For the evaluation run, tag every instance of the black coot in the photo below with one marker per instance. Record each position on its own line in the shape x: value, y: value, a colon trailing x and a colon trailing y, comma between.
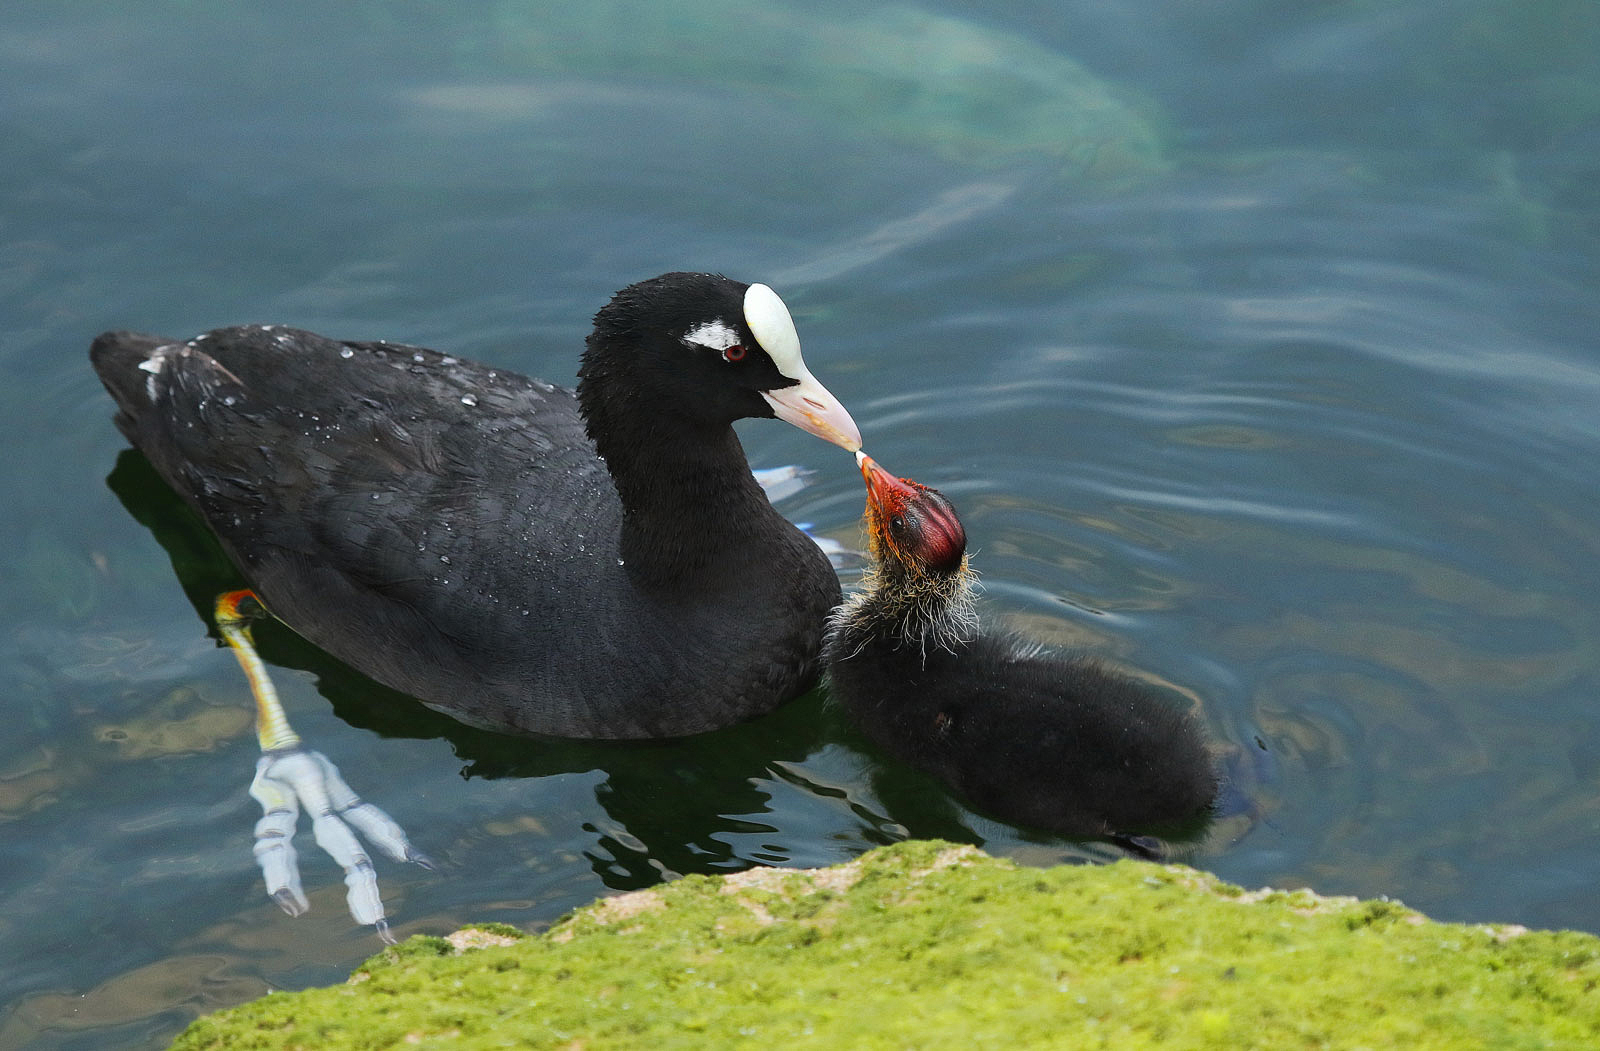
x: 520, y: 556
x: 1053, y: 742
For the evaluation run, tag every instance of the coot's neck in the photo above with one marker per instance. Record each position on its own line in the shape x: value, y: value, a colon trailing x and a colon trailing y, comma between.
x: 691, y: 507
x: 907, y: 609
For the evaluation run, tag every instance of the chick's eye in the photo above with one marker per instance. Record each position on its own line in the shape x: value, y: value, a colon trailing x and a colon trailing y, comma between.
x: 734, y: 353
x: 897, y: 524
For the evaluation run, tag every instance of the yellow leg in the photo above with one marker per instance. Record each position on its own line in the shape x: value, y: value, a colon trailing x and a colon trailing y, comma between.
x: 235, y: 610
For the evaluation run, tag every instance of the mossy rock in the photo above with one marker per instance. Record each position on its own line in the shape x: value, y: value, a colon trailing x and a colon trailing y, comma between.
x: 929, y: 945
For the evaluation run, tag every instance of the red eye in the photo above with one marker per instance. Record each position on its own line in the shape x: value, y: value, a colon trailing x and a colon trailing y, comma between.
x: 734, y: 353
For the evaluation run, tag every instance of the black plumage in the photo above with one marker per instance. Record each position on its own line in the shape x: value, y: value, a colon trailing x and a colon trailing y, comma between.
x: 526, y: 558
x: 1035, y: 738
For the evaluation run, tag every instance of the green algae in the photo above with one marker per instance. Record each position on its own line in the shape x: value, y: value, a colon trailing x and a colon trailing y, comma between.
x: 927, y: 945
x: 973, y: 92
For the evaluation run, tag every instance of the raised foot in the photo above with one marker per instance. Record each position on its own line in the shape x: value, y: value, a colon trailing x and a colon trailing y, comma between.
x: 287, y: 780
x: 290, y: 776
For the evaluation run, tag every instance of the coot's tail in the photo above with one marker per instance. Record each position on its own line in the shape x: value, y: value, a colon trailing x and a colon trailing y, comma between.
x: 119, y: 359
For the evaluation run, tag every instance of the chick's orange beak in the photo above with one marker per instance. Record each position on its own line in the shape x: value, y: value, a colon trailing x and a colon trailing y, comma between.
x: 884, y: 490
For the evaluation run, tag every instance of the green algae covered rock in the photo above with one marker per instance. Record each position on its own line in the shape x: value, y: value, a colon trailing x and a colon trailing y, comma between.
x: 928, y: 945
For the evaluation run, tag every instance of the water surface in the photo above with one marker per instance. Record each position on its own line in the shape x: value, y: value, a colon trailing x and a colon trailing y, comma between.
x: 1256, y: 345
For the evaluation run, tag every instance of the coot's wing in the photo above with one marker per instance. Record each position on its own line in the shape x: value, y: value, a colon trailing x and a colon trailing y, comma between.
x: 383, y: 499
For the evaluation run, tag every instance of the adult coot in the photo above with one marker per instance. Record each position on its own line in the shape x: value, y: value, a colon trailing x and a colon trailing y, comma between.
x: 1059, y: 743
x: 517, y: 555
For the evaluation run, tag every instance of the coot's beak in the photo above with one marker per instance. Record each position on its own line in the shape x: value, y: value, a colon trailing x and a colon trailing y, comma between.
x: 810, y: 407
x: 807, y: 404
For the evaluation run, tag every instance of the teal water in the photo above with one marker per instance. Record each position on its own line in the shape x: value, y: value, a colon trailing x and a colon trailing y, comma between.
x: 1257, y: 344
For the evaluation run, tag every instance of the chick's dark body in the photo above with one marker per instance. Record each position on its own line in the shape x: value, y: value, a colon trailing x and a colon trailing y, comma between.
x: 1054, y: 742
x: 1058, y: 743
x: 451, y: 531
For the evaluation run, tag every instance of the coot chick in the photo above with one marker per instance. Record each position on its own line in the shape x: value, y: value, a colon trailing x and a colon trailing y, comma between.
x: 523, y: 557
x: 1058, y: 743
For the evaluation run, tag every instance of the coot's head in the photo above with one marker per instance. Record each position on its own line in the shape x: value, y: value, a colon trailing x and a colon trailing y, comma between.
x: 700, y: 351
x: 911, y: 526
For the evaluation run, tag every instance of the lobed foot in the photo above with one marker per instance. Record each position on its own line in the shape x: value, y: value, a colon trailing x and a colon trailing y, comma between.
x: 287, y: 780
x: 290, y: 776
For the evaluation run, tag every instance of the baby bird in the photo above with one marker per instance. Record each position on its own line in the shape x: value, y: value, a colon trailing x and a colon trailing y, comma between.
x: 1058, y: 743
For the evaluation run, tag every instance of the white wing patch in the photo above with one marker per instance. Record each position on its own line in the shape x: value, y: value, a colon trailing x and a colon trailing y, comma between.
x: 773, y: 328
x: 153, y: 365
x: 714, y: 334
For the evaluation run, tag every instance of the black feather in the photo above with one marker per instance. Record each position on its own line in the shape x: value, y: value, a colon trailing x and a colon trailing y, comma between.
x: 450, y: 530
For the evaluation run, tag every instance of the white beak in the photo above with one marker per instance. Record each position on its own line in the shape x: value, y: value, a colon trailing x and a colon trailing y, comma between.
x: 809, y: 406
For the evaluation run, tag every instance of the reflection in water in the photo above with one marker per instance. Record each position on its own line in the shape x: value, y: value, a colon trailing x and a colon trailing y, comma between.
x: 648, y: 781
x: 673, y: 806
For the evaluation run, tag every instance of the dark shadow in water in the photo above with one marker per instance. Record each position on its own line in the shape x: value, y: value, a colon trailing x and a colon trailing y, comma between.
x: 669, y: 797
